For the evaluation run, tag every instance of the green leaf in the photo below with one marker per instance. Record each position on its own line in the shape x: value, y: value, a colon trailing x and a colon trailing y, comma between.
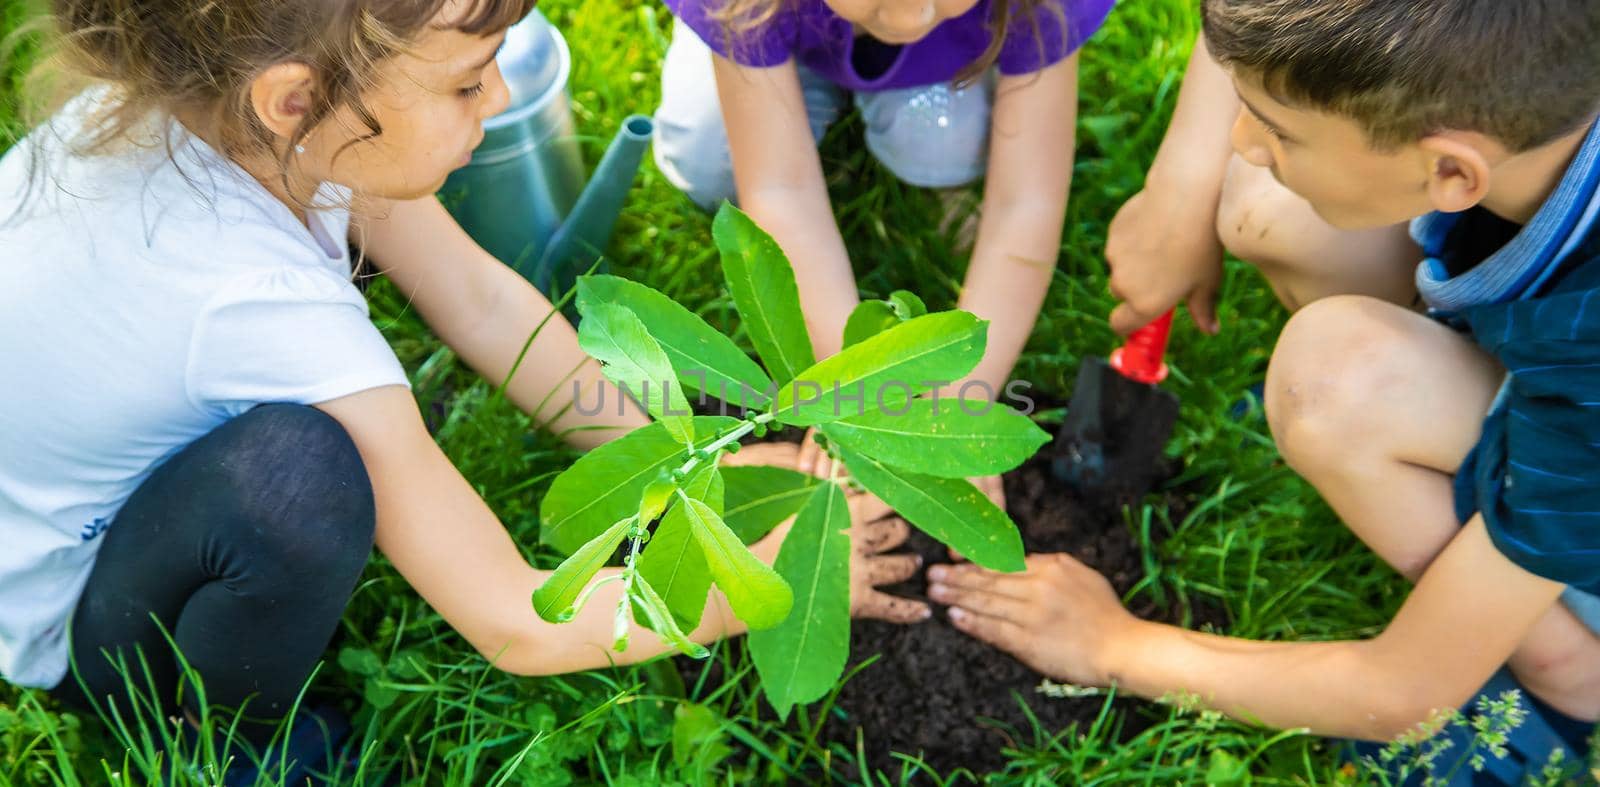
x: 673, y: 562
x: 943, y: 438
x: 885, y: 370
x: 653, y: 500
x: 706, y: 361
x: 605, y: 484
x: 907, y: 305
x: 1225, y: 769
x: 698, y: 739
x: 949, y: 509
x: 360, y: 661
x: 661, y: 620
x: 761, y: 497
x: 802, y: 659
x: 555, y: 597
x: 755, y: 592
x: 635, y: 362
x: 379, y: 694
x: 869, y: 319
x: 764, y: 292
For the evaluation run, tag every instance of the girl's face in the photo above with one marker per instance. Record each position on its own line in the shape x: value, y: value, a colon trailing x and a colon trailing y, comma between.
x: 899, y: 21
x: 430, y: 103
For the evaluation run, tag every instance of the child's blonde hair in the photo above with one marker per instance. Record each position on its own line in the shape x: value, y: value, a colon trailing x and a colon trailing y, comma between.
x: 202, y: 55
x: 742, y: 16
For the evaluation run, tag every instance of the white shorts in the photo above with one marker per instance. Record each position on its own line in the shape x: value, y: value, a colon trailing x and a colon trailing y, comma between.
x: 935, y: 136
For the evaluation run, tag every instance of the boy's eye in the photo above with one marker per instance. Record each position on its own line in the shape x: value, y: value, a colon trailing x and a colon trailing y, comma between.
x: 1271, y: 130
x: 472, y: 92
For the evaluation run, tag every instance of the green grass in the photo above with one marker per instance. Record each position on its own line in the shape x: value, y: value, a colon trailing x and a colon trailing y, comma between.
x: 1256, y: 540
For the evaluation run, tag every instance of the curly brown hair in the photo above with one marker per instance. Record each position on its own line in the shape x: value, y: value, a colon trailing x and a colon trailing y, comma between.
x: 742, y: 16
x: 200, y: 56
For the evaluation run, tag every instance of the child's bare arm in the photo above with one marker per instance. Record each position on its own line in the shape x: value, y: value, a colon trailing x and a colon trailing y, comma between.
x: 1464, y: 618
x: 485, y: 312
x: 778, y: 175
x: 449, y: 546
x: 1024, y: 204
x: 1163, y: 246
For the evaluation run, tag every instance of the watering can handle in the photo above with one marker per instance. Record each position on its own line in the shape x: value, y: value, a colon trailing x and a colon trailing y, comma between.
x: 1141, y: 357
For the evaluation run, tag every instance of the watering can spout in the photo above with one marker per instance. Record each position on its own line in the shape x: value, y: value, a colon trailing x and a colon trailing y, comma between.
x: 583, y: 235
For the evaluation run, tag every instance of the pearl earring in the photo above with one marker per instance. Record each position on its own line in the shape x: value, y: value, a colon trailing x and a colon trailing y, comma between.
x: 299, y: 148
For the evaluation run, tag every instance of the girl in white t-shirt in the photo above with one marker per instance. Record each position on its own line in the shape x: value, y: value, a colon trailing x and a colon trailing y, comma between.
x: 173, y: 255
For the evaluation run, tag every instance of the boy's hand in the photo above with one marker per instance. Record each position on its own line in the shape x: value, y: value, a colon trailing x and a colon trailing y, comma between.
x: 1163, y: 249
x: 1059, y: 616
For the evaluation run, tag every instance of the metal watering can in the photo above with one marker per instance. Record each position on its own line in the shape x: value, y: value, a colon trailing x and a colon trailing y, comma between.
x: 523, y: 197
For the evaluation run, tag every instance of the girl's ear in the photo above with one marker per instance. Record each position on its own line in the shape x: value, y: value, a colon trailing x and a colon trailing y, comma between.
x: 281, y: 96
x: 1459, y: 171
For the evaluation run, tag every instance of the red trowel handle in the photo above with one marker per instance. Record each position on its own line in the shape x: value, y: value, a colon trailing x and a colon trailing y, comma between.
x: 1140, y: 358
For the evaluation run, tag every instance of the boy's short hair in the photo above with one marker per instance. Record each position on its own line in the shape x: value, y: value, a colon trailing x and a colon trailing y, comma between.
x: 1525, y: 72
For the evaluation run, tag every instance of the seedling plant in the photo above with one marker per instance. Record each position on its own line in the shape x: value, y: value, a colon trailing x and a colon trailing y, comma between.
x: 683, y: 523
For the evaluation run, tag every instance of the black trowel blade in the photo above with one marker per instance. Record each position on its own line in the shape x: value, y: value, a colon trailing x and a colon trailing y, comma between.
x: 1115, y: 433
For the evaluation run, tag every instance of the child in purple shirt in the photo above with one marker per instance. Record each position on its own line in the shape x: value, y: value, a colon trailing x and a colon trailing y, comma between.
x: 749, y: 86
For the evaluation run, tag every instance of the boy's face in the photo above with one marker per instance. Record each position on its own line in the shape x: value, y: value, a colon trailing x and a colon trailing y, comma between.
x: 1327, y: 160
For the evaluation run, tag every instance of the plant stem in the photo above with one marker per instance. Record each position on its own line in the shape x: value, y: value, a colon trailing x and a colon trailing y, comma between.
x: 720, y: 443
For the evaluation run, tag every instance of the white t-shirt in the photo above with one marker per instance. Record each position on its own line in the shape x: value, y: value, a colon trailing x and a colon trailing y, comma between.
x: 143, y: 302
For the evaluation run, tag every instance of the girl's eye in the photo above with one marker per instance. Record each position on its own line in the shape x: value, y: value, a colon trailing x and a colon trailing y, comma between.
x: 472, y: 92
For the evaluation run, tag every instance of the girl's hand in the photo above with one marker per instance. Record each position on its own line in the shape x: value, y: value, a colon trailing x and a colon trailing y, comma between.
x: 1059, y: 616
x: 784, y: 455
x: 1163, y: 248
x: 812, y: 459
x: 874, y: 530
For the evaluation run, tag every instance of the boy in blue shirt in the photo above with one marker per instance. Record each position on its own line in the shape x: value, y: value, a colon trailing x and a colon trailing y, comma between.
x: 1477, y: 120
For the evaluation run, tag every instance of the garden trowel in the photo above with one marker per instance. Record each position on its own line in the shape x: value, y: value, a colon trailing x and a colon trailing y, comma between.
x: 1117, y: 425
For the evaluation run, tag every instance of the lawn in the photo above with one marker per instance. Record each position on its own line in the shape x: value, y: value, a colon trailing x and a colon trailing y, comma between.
x: 1255, y: 540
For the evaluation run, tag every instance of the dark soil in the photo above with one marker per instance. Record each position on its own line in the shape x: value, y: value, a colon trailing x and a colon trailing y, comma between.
x: 955, y: 702
x: 941, y: 695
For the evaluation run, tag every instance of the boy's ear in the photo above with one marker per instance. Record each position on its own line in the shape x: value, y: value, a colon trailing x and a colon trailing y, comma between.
x: 1458, y: 172
x: 281, y: 97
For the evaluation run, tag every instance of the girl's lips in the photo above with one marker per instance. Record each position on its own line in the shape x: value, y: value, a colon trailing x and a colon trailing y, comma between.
x: 466, y: 158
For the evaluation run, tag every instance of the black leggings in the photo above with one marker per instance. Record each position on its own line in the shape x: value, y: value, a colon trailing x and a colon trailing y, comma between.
x: 245, y: 546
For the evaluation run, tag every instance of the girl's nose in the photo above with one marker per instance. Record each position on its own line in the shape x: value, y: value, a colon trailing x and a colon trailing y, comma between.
x: 1249, y: 141
x: 499, y: 94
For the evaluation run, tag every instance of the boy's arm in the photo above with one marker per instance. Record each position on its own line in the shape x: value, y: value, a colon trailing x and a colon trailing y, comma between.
x: 485, y: 311
x: 778, y: 174
x: 1461, y: 622
x: 1024, y: 204
x: 1163, y: 245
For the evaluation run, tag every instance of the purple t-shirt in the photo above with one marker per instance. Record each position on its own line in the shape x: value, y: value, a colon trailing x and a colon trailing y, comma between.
x: 811, y: 34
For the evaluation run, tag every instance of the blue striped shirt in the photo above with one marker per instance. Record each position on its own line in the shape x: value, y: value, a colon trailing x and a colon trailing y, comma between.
x: 1533, y: 302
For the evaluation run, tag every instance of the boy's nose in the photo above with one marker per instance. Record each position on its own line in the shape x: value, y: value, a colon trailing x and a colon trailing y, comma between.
x: 1249, y: 142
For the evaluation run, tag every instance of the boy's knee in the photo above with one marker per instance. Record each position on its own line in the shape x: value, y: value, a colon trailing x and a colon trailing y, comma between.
x: 298, y: 478
x: 1331, y: 363
x: 1250, y: 216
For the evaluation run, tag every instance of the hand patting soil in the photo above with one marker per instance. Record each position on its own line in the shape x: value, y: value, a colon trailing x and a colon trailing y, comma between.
x: 951, y: 700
